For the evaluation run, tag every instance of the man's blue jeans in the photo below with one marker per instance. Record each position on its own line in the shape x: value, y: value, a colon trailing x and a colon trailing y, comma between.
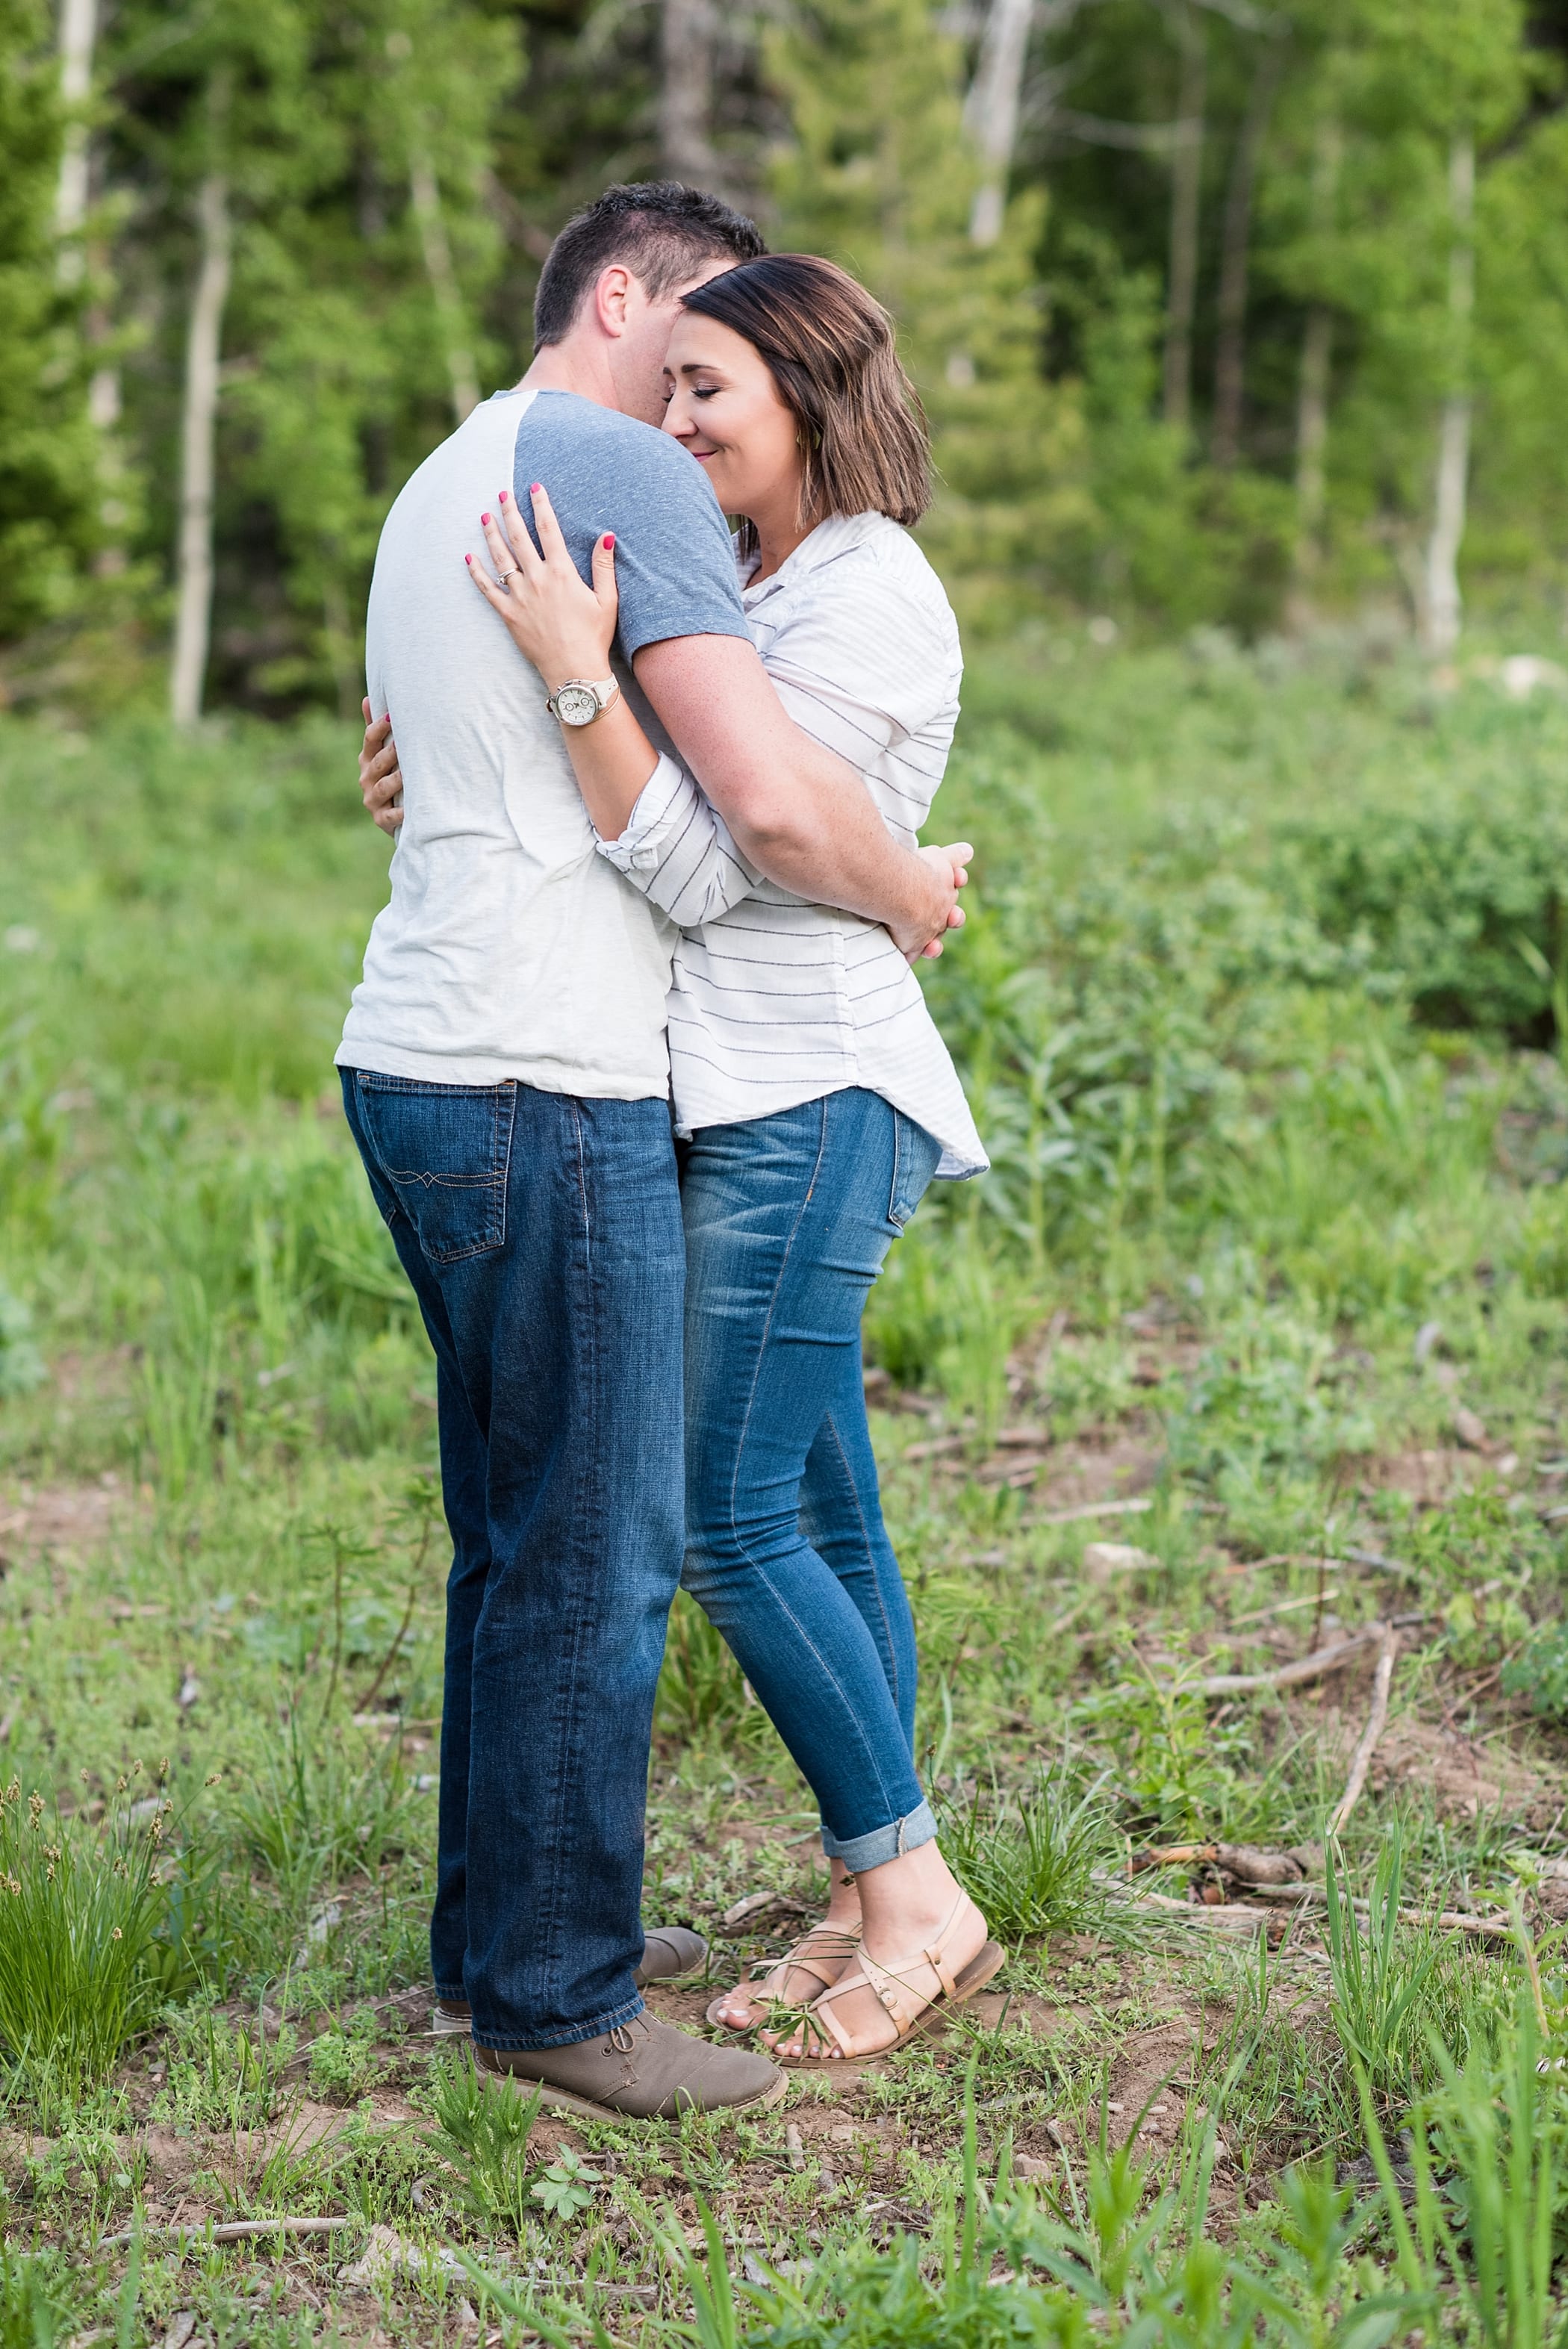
x: 787, y: 1221
x: 543, y: 1236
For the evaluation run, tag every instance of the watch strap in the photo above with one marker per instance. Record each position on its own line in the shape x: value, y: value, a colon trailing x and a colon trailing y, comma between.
x: 605, y: 689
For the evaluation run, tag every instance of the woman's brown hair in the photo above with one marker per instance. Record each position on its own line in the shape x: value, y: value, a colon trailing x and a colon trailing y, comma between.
x: 829, y: 349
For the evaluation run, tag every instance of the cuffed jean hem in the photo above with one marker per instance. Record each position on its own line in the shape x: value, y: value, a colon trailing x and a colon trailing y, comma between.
x: 564, y: 2038
x: 456, y: 1996
x: 883, y: 1843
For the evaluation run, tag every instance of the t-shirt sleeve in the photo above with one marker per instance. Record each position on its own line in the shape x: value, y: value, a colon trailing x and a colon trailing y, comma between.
x: 675, y: 560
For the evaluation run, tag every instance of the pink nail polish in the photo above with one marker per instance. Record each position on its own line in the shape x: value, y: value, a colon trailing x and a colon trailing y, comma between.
x: 609, y: 538
x: 468, y: 558
x: 536, y: 487
x: 503, y: 497
x: 484, y: 517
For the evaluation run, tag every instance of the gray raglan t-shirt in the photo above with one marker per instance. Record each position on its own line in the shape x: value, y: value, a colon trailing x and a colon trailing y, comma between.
x: 511, y: 948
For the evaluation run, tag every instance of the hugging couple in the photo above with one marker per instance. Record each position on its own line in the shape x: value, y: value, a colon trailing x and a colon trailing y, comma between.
x: 655, y: 792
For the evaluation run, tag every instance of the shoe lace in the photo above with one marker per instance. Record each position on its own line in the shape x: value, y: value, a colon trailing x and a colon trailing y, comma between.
x: 621, y: 2040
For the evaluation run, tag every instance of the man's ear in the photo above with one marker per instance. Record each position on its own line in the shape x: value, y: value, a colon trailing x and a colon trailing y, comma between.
x: 613, y: 295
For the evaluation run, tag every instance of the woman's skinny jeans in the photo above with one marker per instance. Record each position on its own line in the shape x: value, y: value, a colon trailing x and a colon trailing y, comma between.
x: 787, y: 1220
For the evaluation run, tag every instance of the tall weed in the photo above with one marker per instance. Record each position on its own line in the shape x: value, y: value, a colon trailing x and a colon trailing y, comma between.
x: 316, y: 1809
x: 1030, y: 1859
x: 92, y: 1935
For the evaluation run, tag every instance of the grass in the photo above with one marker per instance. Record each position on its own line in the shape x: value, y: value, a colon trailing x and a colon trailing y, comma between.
x: 1257, y: 1007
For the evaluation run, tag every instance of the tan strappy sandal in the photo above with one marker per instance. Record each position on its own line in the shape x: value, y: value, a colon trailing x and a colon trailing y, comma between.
x: 911, y: 2008
x: 819, y: 1943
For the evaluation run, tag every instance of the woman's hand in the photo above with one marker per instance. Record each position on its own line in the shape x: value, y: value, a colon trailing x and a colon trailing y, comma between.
x: 556, y: 621
x: 380, y: 778
x: 950, y: 867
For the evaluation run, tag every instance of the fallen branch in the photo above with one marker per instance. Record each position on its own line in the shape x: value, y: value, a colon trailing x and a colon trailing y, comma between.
x: 1220, y: 1916
x: 1497, y: 1927
x: 1244, y: 1861
x: 1314, y: 1667
x: 1094, y: 1509
x: 1382, y: 1681
x: 230, y: 2230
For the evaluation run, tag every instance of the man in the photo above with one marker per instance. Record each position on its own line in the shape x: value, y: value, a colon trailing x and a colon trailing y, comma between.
x: 505, y: 1075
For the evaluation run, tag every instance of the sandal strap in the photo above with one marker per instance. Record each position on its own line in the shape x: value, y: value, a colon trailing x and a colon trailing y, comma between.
x: 890, y: 1982
x: 842, y: 1943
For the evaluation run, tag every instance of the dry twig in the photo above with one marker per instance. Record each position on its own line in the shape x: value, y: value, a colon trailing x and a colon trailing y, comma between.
x: 1314, y: 1667
x: 1382, y: 1681
x: 230, y: 2230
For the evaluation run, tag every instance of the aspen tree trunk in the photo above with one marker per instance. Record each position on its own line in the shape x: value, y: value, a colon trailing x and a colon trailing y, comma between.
x: 1230, y: 355
x: 79, y: 31
x: 1440, y: 572
x: 1186, y: 183
x: 687, y: 29
x: 79, y: 36
x: 992, y: 111
x: 203, y: 343
x: 426, y: 195
x: 1312, y: 397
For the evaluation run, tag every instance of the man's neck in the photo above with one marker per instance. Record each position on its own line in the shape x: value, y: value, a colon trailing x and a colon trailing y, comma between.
x: 576, y: 365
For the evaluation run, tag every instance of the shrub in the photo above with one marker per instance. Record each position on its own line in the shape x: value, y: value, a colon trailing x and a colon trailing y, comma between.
x: 1465, y: 899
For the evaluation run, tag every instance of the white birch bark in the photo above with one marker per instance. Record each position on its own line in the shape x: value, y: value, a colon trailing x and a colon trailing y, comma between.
x: 203, y: 345
x: 1313, y: 381
x: 991, y: 111
x: 687, y: 31
x: 1186, y: 186
x: 1441, y: 600
x: 1230, y: 352
x: 426, y: 195
x: 79, y: 32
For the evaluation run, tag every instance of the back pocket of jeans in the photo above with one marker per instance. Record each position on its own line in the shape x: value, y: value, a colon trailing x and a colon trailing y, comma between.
x: 445, y: 1152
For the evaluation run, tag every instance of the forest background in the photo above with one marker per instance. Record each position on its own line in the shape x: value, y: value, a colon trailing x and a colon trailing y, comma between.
x: 1224, y: 312
x: 1243, y: 332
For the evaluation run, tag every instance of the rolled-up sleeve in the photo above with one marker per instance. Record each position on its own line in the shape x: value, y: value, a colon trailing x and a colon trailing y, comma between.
x: 678, y: 851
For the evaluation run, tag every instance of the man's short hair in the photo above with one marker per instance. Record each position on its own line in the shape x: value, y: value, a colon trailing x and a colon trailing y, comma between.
x: 661, y: 232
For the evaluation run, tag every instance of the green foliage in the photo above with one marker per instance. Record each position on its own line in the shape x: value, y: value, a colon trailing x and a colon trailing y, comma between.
x: 47, y: 471
x: 1462, y: 898
x: 1540, y: 1674
x: 1029, y: 1857
x: 93, y: 1934
x: 316, y: 1808
x: 343, y: 2063
x: 702, y: 1694
x: 481, y: 2135
x: 39, y: 2301
x: 1396, y: 1992
x: 21, y: 1364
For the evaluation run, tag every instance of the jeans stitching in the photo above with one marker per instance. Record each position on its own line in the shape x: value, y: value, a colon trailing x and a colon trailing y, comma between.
x: 557, y: 1841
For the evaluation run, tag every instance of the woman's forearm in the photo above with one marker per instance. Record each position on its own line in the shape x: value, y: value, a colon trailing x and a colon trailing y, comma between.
x: 612, y: 759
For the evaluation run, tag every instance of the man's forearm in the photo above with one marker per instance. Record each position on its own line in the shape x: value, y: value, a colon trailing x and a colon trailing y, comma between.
x: 798, y: 812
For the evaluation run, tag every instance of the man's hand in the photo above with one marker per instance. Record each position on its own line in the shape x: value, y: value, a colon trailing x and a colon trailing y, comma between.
x: 949, y: 869
x: 380, y: 778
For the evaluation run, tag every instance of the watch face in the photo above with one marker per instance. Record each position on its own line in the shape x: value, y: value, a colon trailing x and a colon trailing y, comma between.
x: 578, y: 705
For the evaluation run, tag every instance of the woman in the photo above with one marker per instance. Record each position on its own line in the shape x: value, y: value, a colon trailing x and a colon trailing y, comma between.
x: 810, y: 1082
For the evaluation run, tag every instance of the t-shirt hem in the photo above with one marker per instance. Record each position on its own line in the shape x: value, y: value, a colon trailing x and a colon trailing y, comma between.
x: 694, y: 623
x: 545, y: 1076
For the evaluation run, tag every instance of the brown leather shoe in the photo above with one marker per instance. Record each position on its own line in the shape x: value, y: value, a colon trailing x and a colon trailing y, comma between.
x: 668, y: 1952
x: 641, y: 2071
